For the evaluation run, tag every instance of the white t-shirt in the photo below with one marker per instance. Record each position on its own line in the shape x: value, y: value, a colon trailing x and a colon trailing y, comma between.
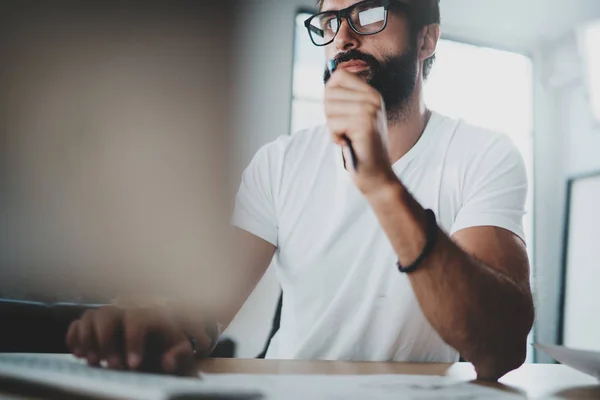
x: 343, y: 298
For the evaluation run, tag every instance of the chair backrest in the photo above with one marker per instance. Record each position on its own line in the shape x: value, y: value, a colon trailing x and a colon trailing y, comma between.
x: 274, y: 326
x: 31, y: 327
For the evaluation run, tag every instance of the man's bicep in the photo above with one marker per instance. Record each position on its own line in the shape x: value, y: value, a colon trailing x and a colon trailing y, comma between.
x: 495, y: 191
x: 250, y: 257
x: 255, y: 252
x: 497, y: 248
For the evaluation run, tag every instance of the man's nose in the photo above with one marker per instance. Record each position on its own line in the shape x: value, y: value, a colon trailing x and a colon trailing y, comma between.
x: 346, y: 39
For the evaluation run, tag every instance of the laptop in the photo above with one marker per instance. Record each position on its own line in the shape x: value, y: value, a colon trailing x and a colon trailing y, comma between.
x: 66, y: 376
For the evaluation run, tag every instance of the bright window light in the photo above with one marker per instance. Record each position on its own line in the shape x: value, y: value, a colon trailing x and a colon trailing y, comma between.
x: 590, y: 46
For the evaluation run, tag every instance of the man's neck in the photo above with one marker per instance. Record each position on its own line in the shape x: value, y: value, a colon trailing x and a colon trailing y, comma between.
x: 405, y: 133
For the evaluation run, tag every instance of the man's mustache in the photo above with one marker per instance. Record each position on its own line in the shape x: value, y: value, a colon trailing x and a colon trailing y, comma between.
x: 355, y: 55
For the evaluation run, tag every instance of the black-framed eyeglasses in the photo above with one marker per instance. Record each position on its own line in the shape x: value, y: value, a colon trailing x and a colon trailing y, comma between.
x: 367, y: 17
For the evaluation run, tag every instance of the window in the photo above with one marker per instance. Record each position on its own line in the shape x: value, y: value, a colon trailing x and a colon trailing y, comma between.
x: 309, y: 66
x: 496, y: 92
x: 590, y: 37
x: 494, y: 87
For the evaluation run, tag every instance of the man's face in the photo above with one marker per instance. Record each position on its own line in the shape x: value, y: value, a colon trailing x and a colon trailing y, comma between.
x: 387, y: 60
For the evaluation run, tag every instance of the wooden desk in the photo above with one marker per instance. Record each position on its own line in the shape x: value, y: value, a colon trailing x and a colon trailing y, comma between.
x: 534, y: 381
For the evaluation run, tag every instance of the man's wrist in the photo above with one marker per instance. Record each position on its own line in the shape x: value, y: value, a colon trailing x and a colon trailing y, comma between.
x: 386, y: 196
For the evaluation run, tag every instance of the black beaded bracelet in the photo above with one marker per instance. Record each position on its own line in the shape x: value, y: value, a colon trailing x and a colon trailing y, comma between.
x: 431, y: 237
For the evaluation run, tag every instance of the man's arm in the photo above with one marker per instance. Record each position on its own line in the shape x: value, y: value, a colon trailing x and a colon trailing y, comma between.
x: 473, y: 289
x: 119, y: 334
x: 254, y: 256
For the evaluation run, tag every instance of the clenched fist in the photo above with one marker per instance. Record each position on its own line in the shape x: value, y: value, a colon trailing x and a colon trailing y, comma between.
x: 354, y: 109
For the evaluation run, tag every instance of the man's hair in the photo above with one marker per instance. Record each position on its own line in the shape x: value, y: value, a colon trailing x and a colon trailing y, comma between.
x: 425, y: 12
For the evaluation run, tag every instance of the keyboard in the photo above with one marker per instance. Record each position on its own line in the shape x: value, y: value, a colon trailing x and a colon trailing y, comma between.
x: 71, y: 375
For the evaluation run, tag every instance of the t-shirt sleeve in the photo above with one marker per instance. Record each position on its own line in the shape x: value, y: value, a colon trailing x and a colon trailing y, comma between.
x: 255, y: 206
x: 495, y: 189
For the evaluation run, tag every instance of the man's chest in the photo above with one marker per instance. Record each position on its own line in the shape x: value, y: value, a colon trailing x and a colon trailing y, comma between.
x: 327, y: 225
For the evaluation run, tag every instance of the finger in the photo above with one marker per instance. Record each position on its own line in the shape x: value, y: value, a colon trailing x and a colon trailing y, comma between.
x: 108, y: 329
x: 345, y: 79
x: 355, y: 127
x: 136, y: 329
x: 350, y: 109
x: 341, y: 93
x: 338, y: 131
x: 179, y: 359
x: 87, y: 338
x: 72, y: 339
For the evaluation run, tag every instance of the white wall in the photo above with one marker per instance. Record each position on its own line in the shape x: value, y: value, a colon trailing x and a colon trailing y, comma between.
x: 583, y: 136
x: 513, y: 24
x: 263, y: 93
x: 548, y: 202
x: 567, y: 141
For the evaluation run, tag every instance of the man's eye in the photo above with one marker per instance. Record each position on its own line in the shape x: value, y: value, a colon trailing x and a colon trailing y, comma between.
x: 332, y: 24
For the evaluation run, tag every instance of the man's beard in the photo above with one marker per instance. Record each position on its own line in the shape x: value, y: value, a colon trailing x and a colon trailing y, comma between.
x: 394, y: 77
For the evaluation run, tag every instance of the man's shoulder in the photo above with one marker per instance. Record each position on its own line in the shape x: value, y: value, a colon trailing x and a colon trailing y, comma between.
x: 470, y: 142
x: 302, y: 142
x: 287, y: 152
x: 312, y: 136
x: 478, y: 137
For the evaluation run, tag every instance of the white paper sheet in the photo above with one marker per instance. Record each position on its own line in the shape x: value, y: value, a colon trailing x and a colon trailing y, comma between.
x: 349, y: 387
x: 587, y: 362
x: 66, y: 373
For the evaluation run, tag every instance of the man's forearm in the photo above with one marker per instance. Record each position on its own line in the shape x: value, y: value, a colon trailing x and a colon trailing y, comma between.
x: 482, y: 313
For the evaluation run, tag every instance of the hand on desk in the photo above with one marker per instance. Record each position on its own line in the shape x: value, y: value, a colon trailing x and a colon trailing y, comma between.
x: 139, y: 338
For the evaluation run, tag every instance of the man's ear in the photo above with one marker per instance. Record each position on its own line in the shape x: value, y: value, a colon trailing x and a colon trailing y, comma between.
x: 429, y: 35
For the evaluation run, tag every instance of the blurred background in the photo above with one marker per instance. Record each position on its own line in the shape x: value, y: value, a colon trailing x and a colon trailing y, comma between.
x: 125, y: 126
x: 114, y: 145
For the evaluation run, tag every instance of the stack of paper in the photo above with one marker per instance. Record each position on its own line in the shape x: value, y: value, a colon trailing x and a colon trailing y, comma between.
x: 350, y: 387
x: 587, y: 362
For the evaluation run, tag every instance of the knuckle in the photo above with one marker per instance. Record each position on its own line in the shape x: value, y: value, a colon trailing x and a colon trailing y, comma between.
x: 110, y: 310
x: 105, y: 335
x: 136, y: 325
x: 364, y: 126
x: 369, y: 109
x: 356, y: 108
x: 131, y: 326
x: 72, y: 327
x: 86, y: 335
x: 378, y: 101
x: 110, y: 315
x: 88, y: 315
x: 365, y: 114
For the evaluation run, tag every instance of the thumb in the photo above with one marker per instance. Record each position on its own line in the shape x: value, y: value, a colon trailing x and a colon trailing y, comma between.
x: 179, y: 359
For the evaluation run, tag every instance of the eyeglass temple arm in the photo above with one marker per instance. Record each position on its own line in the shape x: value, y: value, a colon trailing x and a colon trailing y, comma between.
x: 316, y: 30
